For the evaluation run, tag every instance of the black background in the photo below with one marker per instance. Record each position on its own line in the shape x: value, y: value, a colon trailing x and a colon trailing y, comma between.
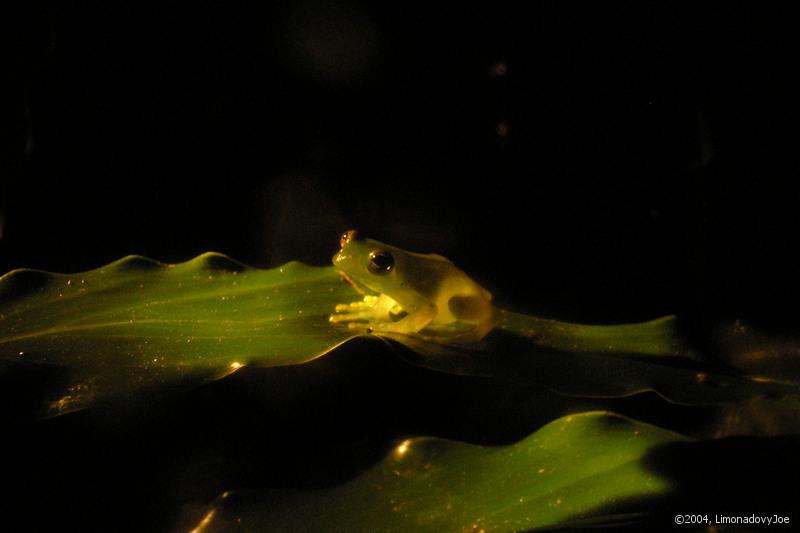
x: 648, y: 167
x: 597, y: 162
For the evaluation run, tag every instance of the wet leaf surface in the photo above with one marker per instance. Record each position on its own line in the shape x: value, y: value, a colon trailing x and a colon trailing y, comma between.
x: 563, y: 472
x: 137, y: 325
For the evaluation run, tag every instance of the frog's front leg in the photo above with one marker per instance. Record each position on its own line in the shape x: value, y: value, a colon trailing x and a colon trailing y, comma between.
x: 368, y: 302
x: 372, y: 309
x: 378, y: 314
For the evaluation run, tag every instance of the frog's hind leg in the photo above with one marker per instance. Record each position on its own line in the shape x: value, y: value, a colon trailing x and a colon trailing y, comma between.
x: 469, y: 307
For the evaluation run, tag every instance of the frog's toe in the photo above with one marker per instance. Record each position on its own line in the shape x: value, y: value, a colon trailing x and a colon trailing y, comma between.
x: 350, y: 316
x: 367, y: 303
x: 359, y: 326
x: 334, y: 319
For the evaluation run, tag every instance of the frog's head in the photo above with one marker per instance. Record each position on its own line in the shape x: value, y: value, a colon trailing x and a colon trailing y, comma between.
x: 369, y: 265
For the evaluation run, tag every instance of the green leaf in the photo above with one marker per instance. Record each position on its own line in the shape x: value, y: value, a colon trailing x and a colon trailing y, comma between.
x: 138, y: 324
x: 580, y: 467
x: 658, y: 338
x: 578, y: 370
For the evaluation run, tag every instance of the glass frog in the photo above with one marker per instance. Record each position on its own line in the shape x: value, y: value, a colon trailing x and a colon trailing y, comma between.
x: 410, y: 293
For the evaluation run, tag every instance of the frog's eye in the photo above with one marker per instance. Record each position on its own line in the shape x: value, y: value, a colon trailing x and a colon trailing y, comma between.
x: 380, y: 262
x: 347, y: 236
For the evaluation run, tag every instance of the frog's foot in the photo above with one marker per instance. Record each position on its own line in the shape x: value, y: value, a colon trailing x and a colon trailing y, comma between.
x: 368, y: 302
x: 358, y: 315
x: 351, y: 316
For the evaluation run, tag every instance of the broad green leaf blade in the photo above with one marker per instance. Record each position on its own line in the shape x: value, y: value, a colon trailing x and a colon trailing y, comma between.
x: 569, y: 470
x: 593, y: 375
x: 657, y: 337
x: 604, y: 361
x: 136, y: 323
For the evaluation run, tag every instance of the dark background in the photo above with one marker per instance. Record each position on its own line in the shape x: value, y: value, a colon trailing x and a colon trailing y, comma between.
x: 646, y: 161
x: 598, y: 162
